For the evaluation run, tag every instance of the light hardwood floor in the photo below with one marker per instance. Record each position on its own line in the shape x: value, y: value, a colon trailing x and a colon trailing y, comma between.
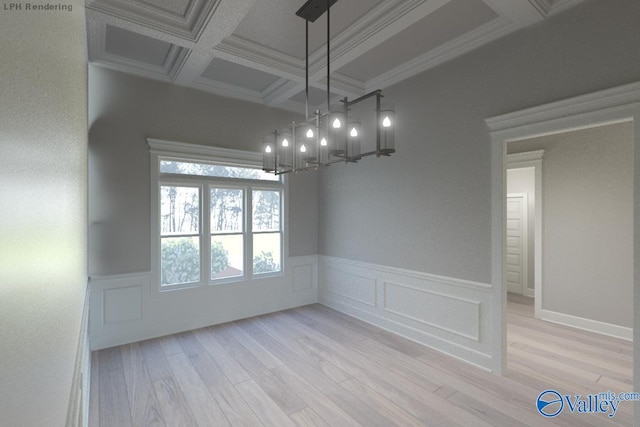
x: 313, y: 366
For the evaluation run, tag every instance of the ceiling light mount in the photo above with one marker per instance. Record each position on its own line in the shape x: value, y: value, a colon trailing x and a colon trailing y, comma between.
x: 338, y: 135
x: 314, y: 9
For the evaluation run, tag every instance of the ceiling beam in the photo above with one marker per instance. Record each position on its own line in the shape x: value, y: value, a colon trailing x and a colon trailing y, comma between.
x: 522, y: 12
x: 226, y: 16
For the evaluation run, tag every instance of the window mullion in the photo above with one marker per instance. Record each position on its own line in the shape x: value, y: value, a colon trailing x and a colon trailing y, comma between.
x: 205, y: 234
x: 248, y: 231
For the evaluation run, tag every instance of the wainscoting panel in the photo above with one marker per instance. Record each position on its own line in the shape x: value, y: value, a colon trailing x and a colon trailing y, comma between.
x: 434, y: 310
x: 122, y: 304
x: 350, y: 285
x: 128, y: 307
x: 304, y: 277
x: 444, y: 313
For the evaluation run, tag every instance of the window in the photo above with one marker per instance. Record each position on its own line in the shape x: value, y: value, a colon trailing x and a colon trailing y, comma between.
x: 214, y: 221
x: 179, y: 234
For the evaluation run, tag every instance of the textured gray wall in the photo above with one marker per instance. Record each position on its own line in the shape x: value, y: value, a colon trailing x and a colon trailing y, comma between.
x: 428, y: 207
x: 124, y: 110
x: 43, y: 211
x: 587, y: 213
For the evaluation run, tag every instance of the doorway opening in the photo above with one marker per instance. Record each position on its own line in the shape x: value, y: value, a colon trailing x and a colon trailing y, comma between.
x: 618, y: 105
x: 587, y: 212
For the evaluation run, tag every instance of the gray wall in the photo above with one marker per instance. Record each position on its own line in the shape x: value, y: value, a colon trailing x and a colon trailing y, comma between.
x: 43, y: 199
x: 587, y: 214
x: 522, y: 180
x: 124, y: 110
x: 428, y: 207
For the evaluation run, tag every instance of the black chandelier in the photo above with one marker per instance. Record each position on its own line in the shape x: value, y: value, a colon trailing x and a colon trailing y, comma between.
x: 337, y: 135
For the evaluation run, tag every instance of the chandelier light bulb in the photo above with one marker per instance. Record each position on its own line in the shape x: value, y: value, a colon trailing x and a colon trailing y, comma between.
x: 386, y: 122
x: 309, y: 134
x: 285, y: 142
x: 323, y: 142
x: 303, y: 149
x: 354, y: 132
x: 267, y: 149
x: 336, y: 123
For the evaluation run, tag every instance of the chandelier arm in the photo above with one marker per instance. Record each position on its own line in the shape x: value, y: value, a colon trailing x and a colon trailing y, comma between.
x: 378, y: 124
x: 365, y: 96
x: 275, y: 151
x: 328, y: 54
x: 306, y: 106
x: 294, y: 144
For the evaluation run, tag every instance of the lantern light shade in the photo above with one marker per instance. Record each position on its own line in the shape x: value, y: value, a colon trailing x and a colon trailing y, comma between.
x: 387, y: 128
x: 337, y: 130
x: 285, y: 149
x: 269, y: 154
x: 306, y: 145
x: 353, y: 138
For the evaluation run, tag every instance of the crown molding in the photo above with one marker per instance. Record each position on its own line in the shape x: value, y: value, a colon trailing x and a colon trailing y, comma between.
x: 343, y: 84
x: 227, y: 90
x: 560, y: 5
x: 235, y: 92
x: 188, y: 26
x: 340, y: 84
x: 488, y: 32
x: 550, y: 7
x: 176, y: 59
x: 528, y: 156
x: 167, y: 148
x: 245, y: 52
x: 279, y: 91
x: 584, y: 104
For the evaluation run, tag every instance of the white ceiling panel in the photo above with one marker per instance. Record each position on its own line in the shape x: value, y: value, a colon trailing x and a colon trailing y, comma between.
x: 255, y: 49
x: 275, y: 24
x: 177, y: 7
x: 316, y: 96
x: 238, y: 75
x: 135, y: 47
x: 450, y: 21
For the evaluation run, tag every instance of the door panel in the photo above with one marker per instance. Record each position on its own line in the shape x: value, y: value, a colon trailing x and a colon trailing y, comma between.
x: 516, y: 242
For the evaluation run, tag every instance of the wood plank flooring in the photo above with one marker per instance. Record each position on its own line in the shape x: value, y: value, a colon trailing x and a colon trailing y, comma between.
x: 313, y: 366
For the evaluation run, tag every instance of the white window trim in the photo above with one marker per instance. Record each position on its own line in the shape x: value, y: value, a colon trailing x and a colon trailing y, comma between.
x: 180, y: 151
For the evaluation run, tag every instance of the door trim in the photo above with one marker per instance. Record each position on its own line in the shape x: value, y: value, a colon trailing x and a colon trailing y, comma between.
x: 620, y: 104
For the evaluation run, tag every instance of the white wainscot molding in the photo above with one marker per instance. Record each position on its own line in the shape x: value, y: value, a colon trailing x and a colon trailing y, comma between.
x: 127, y: 308
x: 443, y: 313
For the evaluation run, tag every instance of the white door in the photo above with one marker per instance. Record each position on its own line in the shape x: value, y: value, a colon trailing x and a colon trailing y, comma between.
x: 517, y: 242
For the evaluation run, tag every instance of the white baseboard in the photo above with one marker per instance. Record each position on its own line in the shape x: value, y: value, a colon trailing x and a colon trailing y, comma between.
x: 588, y: 324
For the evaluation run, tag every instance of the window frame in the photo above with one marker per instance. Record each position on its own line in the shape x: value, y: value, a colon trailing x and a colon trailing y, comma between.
x: 175, y: 151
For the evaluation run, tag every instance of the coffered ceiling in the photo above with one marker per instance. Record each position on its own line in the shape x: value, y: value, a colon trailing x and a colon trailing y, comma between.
x: 255, y: 49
